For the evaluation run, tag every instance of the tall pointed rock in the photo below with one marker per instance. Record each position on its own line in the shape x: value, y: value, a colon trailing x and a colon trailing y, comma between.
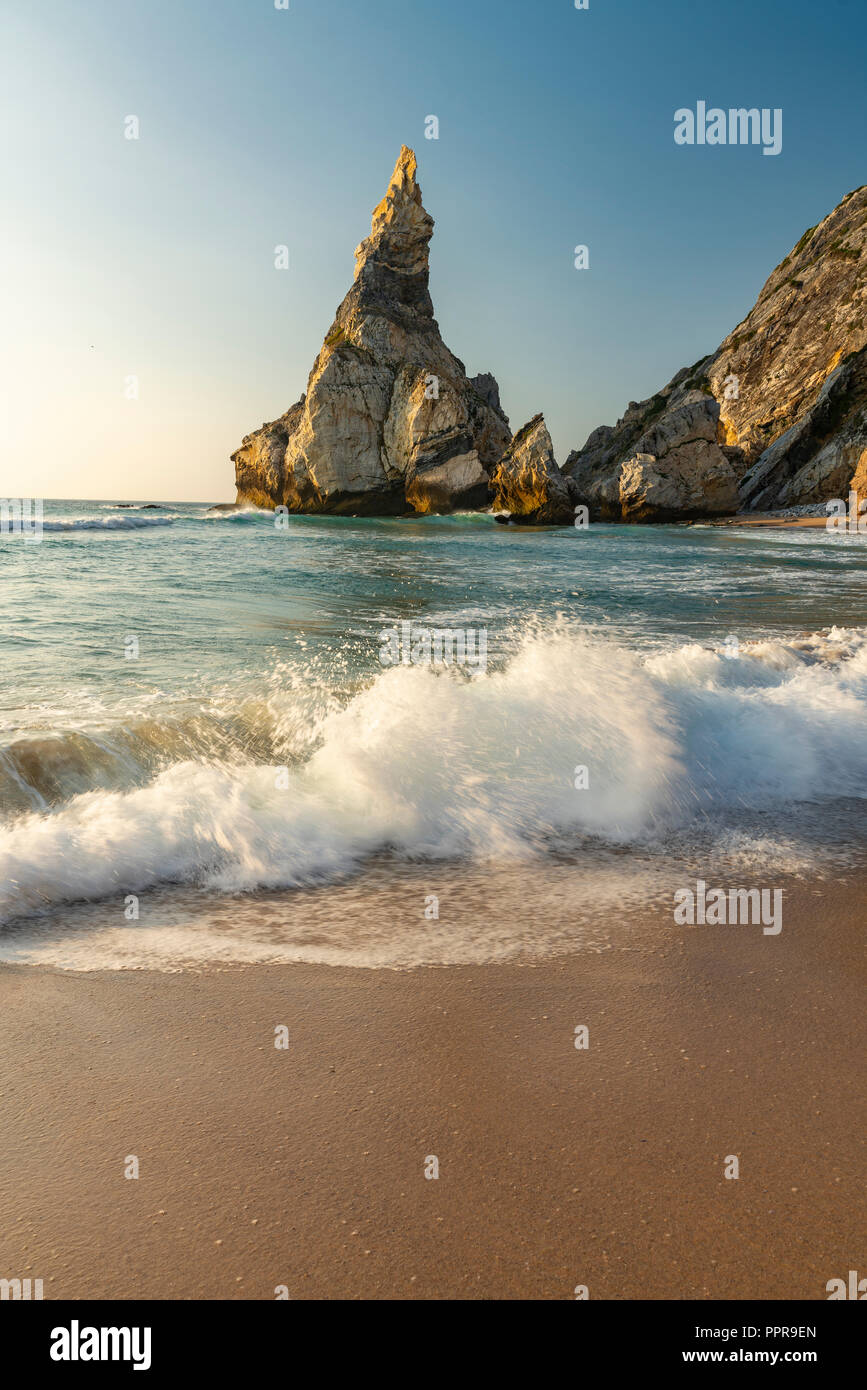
x: 390, y: 421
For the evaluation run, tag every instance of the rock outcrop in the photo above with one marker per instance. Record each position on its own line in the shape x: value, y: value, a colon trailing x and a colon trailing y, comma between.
x: 817, y: 457
x: 675, y: 470
x: 390, y: 421
x: 786, y: 393
x: 528, y: 485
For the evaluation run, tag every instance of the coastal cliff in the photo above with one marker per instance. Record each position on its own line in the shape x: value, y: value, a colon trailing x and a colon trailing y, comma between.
x: 391, y: 423
x: 776, y: 417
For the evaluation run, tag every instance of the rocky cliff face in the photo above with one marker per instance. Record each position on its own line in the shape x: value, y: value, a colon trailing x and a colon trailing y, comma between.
x: 777, y: 416
x: 672, y: 468
x: 390, y: 421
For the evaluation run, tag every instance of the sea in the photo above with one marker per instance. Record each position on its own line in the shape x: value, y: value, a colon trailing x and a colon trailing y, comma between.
x: 227, y: 738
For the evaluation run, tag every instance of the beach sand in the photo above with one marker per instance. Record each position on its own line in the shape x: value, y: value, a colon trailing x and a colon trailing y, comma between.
x: 810, y: 523
x: 557, y: 1167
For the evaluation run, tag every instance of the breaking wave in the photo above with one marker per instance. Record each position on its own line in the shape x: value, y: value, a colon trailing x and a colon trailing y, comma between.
x: 106, y: 523
x: 302, y: 783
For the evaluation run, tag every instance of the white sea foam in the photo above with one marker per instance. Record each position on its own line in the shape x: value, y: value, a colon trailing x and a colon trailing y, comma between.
x: 130, y: 521
x: 434, y: 766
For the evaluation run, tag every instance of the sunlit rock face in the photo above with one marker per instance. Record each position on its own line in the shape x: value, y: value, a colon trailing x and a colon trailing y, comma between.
x: 390, y: 421
x: 787, y: 390
x: 675, y: 470
x: 527, y: 482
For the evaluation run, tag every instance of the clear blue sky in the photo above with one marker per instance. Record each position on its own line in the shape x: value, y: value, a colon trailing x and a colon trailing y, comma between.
x: 258, y: 127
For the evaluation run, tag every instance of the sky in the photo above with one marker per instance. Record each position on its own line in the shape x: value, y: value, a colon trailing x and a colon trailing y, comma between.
x: 144, y: 328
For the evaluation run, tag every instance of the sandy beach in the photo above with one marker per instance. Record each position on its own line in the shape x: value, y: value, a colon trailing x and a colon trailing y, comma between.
x: 785, y: 521
x: 791, y: 523
x: 304, y: 1167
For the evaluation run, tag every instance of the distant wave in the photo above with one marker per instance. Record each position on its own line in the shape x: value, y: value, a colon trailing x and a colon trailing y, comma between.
x: 435, y: 766
x: 128, y: 522
x: 242, y: 514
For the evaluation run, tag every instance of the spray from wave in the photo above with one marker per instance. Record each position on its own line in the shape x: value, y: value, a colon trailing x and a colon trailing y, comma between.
x: 302, y: 785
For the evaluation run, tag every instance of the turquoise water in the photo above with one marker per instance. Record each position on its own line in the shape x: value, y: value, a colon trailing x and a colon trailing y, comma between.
x: 165, y: 669
x: 216, y: 598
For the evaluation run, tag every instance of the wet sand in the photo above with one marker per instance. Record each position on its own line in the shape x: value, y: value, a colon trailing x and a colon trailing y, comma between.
x: 816, y: 523
x: 557, y: 1167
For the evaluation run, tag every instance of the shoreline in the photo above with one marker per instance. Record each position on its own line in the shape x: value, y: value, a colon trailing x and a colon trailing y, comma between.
x: 304, y: 1167
x: 816, y: 523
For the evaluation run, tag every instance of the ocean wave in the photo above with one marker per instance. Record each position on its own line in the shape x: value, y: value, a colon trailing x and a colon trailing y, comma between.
x: 435, y: 766
x: 243, y: 516
x: 127, y: 522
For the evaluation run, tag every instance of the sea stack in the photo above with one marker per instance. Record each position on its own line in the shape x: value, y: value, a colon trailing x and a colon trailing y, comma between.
x: 390, y: 422
x: 528, y: 485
